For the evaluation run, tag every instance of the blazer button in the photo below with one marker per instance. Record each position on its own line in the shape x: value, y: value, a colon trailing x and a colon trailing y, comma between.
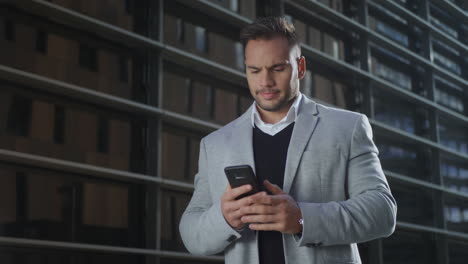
x: 232, y: 238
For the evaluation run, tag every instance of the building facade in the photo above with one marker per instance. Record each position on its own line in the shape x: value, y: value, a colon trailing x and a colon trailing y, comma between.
x: 103, y: 104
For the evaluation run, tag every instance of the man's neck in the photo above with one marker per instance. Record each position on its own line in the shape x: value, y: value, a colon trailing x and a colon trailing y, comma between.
x: 273, y: 117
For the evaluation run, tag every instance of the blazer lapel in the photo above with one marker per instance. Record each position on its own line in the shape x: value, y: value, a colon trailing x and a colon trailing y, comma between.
x: 240, y: 144
x: 303, y: 128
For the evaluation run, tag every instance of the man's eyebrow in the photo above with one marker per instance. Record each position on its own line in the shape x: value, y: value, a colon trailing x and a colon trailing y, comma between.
x: 281, y: 64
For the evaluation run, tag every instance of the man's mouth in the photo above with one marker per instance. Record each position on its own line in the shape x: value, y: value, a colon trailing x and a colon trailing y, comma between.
x: 268, y: 94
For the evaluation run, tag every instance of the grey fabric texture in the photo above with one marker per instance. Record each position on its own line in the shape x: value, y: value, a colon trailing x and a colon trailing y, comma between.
x: 332, y: 171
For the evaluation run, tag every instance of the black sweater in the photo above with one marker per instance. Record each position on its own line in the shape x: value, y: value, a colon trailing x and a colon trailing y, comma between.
x: 270, y: 154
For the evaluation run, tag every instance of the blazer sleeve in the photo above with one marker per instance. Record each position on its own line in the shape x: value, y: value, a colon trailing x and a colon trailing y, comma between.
x: 370, y: 211
x: 203, y: 228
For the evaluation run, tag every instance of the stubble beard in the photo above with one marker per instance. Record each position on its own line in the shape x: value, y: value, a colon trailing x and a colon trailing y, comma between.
x: 281, y: 103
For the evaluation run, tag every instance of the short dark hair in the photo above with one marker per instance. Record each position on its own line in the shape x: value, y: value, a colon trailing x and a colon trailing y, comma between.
x: 268, y: 28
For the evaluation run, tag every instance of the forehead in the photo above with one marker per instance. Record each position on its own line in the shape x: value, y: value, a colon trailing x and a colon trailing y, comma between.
x: 267, y: 51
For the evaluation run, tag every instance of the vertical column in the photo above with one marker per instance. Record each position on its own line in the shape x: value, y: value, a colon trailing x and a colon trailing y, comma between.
x: 365, y: 61
x: 429, y: 85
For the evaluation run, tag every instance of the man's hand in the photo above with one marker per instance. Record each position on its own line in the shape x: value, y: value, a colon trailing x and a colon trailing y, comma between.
x: 278, y: 212
x: 230, y: 207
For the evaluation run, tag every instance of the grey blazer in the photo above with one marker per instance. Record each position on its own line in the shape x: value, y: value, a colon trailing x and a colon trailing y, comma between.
x: 332, y: 171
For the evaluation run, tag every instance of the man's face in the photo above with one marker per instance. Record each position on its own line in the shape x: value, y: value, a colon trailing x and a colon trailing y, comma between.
x: 273, y: 73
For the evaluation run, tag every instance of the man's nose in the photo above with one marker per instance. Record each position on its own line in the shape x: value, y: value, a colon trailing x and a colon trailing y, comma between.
x: 266, y: 79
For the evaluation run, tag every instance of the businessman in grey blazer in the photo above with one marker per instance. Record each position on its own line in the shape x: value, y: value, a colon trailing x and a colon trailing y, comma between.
x: 324, y: 189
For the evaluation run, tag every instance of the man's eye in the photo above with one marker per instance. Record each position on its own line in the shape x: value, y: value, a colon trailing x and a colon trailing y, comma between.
x: 278, y: 69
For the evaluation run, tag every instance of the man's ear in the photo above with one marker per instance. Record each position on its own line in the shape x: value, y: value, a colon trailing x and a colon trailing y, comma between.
x: 301, y: 67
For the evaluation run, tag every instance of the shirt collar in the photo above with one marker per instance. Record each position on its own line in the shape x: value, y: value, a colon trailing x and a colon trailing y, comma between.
x: 290, y: 116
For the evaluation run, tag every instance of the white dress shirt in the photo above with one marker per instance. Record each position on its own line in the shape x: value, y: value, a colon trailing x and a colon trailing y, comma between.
x: 273, y: 129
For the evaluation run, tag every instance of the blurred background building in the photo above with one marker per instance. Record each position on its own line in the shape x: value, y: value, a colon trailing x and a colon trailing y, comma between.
x: 103, y: 104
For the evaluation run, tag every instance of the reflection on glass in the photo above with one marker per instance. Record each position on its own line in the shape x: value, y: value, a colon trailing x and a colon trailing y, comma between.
x: 457, y: 251
x: 39, y: 127
x: 180, y: 150
x: 409, y: 247
x: 332, y: 91
x: 173, y: 206
x: 199, y: 98
x: 400, y: 114
x: 446, y: 62
x: 409, y: 200
x: 70, y: 58
x: 199, y: 40
x: 388, y: 31
x: 409, y: 160
x: 119, y: 13
x: 456, y: 214
x: 10, y: 255
x: 455, y: 175
x: 390, y: 74
x: 47, y: 205
x: 453, y: 135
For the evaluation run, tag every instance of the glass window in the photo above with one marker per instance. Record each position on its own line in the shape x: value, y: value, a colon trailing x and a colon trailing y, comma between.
x: 409, y: 247
x: 453, y: 135
x: 201, y: 41
x: 409, y: 199
x: 173, y: 206
x: 332, y: 91
x: 120, y: 13
x: 457, y: 251
x: 46, y: 126
x: 401, y: 114
x: 41, y: 41
x: 16, y: 255
x: 391, y: 74
x: 456, y: 213
x: 49, y: 205
x: 189, y: 93
x: 73, y: 60
x: 180, y: 149
x: 9, y: 30
x: 408, y: 159
x: 388, y: 31
x: 455, y: 174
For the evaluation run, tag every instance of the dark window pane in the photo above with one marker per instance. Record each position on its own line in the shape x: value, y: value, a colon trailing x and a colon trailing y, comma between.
x: 59, y: 125
x: 409, y: 200
x: 9, y: 30
x: 103, y: 135
x: 406, y: 159
x: 457, y: 252
x: 453, y: 134
x: 404, y: 246
x: 401, y: 114
x: 15, y: 255
x: 88, y: 57
x: 174, y: 204
x: 69, y: 132
x: 455, y: 174
x: 123, y: 69
x: 180, y: 154
x: 41, y: 42
x: 47, y: 205
x: 456, y: 214
x: 19, y: 116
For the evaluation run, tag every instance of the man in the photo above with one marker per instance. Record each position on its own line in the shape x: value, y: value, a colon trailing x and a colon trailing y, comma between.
x: 324, y: 187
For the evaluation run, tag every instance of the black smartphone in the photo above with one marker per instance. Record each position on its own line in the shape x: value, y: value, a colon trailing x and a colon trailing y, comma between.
x: 240, y: 175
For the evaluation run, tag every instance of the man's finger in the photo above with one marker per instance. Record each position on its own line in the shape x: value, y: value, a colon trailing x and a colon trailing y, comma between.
x: 273, y: 188
x: 265, y: 227
x: 234, y: 193
x: 262, y: 218
x: 258, y: 209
